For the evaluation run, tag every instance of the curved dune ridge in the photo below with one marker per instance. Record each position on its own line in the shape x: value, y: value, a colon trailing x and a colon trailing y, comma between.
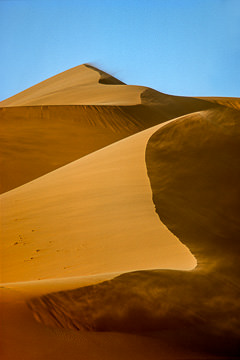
x: 73, y: 114
x: 162, y: 300
x: 83, y: 85
x: 94, y: 226
x: 36, y: 140
x: 195, y: 163
x: 83, y: 247
x: 80, y: 85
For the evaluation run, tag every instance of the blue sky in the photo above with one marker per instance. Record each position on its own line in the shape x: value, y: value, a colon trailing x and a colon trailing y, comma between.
x: 181, y: 47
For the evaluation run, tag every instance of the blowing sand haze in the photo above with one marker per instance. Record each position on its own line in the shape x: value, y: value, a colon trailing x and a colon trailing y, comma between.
x: 119, y: 222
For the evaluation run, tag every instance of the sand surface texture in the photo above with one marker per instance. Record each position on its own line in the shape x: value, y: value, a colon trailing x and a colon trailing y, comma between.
x: 73, y: 114
x: 119, y: 222
x: 103, y: 221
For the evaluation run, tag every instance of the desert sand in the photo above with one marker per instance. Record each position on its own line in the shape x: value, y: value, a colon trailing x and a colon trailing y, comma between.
x: 229, y: 102
x: 119, y: 222
x: 73, y: 114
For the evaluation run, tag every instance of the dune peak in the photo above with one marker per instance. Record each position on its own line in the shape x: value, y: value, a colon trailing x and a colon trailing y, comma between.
x: 105, y: 78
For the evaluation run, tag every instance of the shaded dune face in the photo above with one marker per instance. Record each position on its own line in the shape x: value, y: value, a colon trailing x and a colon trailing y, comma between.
x: 225, y: 101
x: 38, y: 139
x: 88, y: 217
x: 81, y: 85
x: 105, y: 78
x: 87, y: 85
x: 73, y: 114
x: 183, y: 308
x: 96, y: 215
x: 193, y: 166
x: 193, y: 169
x: 173, y: 106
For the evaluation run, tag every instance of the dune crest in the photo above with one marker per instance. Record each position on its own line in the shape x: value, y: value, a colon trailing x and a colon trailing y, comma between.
x: 97, y: 190
x: 106, y: 197
x: 161, y: 300
x: 73, y: 114
x: 104, y: 77
x: 195, y: 163
x: 36, y: 140
x: 81, y: 85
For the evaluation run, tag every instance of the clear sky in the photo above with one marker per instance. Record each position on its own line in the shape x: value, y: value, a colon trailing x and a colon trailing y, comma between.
x: 181, y: 47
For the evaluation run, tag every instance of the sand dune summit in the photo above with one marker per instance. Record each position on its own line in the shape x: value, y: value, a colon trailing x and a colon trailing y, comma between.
x: 119, y: 222
x: 73, y: 114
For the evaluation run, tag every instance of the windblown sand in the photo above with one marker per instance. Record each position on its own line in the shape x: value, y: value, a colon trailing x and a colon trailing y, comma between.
x: 93, y: 264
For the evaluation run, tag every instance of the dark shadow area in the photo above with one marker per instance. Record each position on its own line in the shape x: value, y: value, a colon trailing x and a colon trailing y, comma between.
x: 194, y: 171
x: 105, y: 78
x: 196, y: 311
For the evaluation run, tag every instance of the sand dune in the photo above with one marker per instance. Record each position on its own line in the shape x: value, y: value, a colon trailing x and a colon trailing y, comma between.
x: 206, y: 194
x: 91, y: 227
x: 78, y: 86
x: 83, y: 246
x: 204, y: 301
x: 44, y: 127
x: 231, y: 102
x: 180, y: 307
x: 87, y: 85
x: 38, y: 139
x: 23, y: 337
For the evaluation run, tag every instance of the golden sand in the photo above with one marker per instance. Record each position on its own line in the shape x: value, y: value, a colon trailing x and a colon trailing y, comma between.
x: 98, y: 190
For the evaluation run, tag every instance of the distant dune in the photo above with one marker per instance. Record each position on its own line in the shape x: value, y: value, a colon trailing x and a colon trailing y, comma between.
x: 227, y: 101
x: 119, y: 222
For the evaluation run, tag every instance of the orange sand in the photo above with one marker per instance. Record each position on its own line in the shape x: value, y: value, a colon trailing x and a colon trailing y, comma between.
x: 68, y: 235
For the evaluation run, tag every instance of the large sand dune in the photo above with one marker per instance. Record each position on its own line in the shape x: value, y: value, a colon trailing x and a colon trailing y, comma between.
x: 38, y: 139
x: 94, y: 226
x: 93, y: 245
x: 73, y: 114
x: 204, y: 147
x: 87, y: 85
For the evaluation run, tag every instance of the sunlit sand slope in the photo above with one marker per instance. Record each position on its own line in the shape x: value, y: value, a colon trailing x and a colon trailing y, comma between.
x: 73, y: 114
x: 38, y: 139
x: 191, y: 163
x: 82, y: 85
x: 92, y: 216
x: 81, y: 245
x: 79, y: 85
